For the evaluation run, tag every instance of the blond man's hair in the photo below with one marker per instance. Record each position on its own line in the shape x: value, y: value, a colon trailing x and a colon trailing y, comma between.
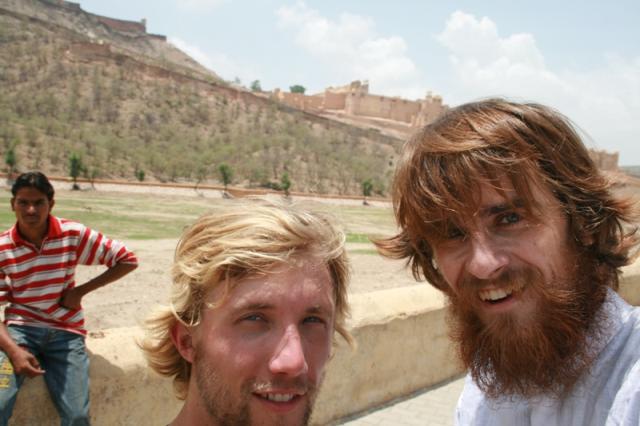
x: 224, y: 247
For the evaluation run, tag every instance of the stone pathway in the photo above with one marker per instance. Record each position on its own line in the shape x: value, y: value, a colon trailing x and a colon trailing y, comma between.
x: 432, y: 407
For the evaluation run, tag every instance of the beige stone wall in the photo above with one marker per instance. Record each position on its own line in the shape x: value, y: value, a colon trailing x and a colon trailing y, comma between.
x: 64, y: 4
x: 605, y: 160
x: 295, y: 100
x: 403, y: 346
x: 138, y: 28
x: 314, y: 102
x: 381, y: 107
x: 123, y: 26
x: 299, y: 100
x: 431, y: 108
x: 334, y: 100
x: 403, y: 110
x: 355, y: 100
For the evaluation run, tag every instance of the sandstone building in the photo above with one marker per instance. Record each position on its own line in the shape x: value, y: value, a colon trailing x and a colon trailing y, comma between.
x: 131, y: 28
x: 354, y: 100
x: 400, y: 117
x: 605, y: 160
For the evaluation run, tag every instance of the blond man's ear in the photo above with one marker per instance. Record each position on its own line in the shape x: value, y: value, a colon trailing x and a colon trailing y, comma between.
x: 183, y: 341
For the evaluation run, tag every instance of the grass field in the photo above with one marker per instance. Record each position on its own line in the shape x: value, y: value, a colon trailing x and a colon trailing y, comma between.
x: 132, y: 216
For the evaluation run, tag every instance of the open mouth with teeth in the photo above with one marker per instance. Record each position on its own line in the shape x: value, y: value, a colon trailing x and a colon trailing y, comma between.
x: 281, y: 403
x: 499, y: 295
x: 278, y: 401
x: 278, y: 397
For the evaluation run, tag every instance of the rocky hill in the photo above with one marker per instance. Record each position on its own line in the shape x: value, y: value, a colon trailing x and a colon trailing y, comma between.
x: 128, y: 37
x: 130, y: 104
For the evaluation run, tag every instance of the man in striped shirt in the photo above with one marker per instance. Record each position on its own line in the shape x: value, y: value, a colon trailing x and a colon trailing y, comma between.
x: 43, y: 331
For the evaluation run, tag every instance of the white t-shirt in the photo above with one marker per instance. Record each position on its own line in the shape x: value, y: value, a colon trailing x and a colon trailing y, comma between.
x: 608, y: 395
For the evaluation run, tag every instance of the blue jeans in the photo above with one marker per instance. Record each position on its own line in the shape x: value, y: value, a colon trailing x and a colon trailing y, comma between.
x: 63, y: 357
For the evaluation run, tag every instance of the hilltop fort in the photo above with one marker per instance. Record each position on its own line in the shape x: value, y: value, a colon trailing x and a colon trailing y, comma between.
x: 353, y: 103
x: 111, y: 90
x: 107, y: 34
x: 134, y: 28
x: 398, y: 117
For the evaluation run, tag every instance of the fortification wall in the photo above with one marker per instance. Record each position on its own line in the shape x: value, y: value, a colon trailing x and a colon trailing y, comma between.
x: 403, y: 110
x: 300, y: 101
x: 381, y: 107
x: 314, y: 102
x: 430, y: 109
x: 123, y: 26
x: 295, y: 100
x: 157, y: 37
x: 64, y: 4
x: 355, y: 100
x: 334, y: 100
x: 120, y: 25
x: 607, y: 161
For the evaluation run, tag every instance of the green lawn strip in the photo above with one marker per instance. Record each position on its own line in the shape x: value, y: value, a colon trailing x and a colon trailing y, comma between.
x: 357, y: 238
x: 127, y: 216
x: 363, y: 251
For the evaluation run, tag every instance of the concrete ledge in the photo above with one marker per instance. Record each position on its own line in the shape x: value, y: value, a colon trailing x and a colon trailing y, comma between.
x: 630, y: 284
x: 402, y: 347
x: 123, y: 390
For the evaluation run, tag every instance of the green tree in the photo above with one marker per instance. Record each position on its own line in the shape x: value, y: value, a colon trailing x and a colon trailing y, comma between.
x: 74, y: 100
x: 201, y: 174
x: 139, y: 175
x: 296, y: 88
x: 255, y: 86
x: 91, y: 174
x: 97, y: 88
x: 75, y: 169
x: 226, y: 174
x: 367, y: 188
x: 285, y: 183
x: 11, y: 161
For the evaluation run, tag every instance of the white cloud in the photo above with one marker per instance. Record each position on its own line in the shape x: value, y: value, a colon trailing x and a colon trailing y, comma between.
x: 351, y: 49
x: 604, y: 102
x: 478, y: 41
x: 200, y: 5
x: 219, y: 63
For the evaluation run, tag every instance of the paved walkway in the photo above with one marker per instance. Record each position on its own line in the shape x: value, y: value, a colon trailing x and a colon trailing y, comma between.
x: 432, y: 407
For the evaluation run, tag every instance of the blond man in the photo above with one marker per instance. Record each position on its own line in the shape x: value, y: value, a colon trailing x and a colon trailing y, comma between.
x: 258, y: 292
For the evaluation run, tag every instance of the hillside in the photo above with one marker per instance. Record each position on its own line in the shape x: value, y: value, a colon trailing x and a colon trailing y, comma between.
x: 69, y: 84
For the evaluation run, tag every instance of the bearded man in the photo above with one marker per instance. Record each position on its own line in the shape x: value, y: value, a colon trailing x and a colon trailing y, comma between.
x: 258, y: 292
x: 502, y: 209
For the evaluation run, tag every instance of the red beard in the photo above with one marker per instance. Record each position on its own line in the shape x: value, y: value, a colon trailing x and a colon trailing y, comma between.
x: 544, y: 354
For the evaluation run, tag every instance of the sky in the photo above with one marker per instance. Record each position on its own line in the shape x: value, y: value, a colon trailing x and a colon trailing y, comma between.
x: 580, y: 57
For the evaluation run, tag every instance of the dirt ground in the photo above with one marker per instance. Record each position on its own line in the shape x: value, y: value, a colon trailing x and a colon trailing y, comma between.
x: 128, y: 301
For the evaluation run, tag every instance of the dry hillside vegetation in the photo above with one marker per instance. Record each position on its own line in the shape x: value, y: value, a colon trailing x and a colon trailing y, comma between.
x: 62, y: 94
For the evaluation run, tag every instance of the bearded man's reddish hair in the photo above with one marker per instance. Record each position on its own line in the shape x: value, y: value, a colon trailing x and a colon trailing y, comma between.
x: 442, y: 165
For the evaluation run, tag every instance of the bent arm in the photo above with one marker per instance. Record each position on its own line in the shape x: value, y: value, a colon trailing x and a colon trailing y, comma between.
x: 71, y: 298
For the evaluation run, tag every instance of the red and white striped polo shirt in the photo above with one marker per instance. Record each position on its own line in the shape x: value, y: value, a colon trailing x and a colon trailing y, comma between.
x: 32, y: 280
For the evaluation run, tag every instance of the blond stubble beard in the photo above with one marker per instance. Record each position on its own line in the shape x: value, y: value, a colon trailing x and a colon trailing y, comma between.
x: 225, y: 409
